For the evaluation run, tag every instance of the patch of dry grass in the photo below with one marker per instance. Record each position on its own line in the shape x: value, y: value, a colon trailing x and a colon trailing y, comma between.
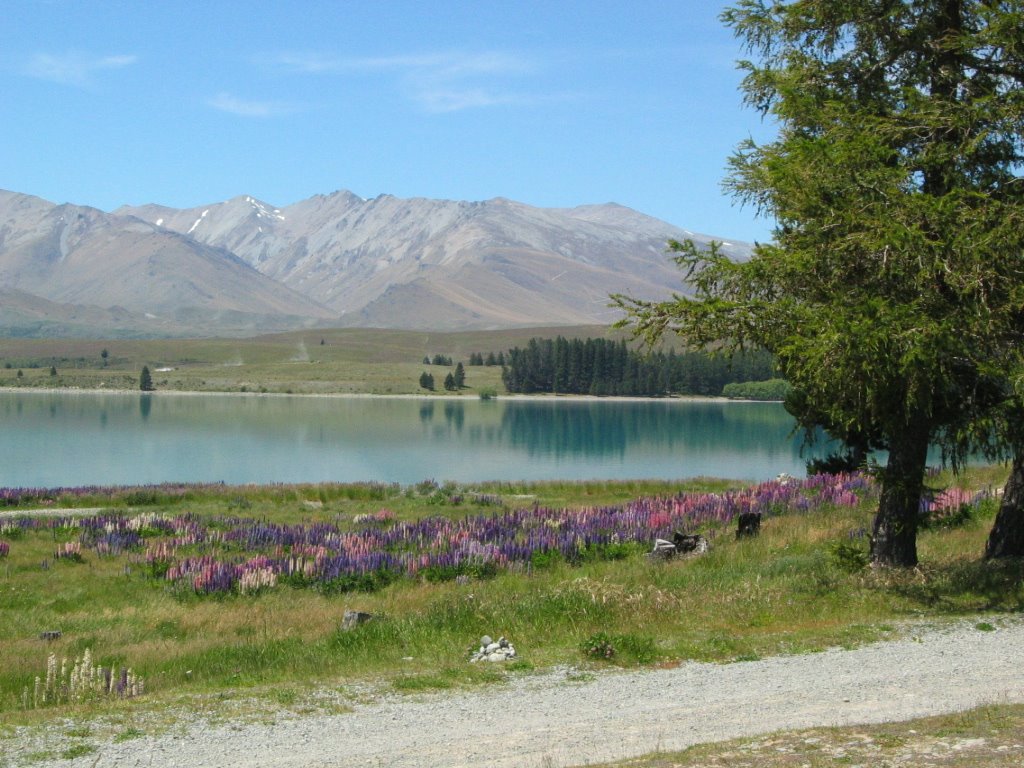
x: 987, y: 737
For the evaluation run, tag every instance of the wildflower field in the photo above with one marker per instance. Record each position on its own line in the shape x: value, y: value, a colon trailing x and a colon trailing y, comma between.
x: 196, y: 589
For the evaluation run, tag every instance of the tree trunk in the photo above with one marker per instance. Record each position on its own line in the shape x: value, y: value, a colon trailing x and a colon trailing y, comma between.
x: 894, y: 537
x: 1007, y: 536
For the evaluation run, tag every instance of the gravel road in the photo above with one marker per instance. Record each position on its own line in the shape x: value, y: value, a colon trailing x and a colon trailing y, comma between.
x: 564, y: 719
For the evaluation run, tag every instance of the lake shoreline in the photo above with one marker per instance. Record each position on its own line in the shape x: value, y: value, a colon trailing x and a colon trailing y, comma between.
x: 68, y: 437
x: 374, y: 395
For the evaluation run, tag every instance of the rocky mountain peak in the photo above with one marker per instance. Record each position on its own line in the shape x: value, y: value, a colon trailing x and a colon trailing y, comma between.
x: 385, y: 261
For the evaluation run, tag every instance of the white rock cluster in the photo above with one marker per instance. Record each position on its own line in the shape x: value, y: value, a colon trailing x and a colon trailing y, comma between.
x: 491, y: 650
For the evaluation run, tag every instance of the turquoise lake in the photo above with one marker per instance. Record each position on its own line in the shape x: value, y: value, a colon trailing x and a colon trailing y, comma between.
x: 65, y: 439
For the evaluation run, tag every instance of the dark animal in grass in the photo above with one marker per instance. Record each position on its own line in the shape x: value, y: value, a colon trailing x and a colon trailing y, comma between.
x: 748, y: 524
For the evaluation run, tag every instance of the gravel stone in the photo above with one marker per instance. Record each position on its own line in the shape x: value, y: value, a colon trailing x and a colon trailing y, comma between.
x: 564, y: 718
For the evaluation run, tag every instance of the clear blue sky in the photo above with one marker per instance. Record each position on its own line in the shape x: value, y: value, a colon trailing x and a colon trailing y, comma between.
x: 550, y: 103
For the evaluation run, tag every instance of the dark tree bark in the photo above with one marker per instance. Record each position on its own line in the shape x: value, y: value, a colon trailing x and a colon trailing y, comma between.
x: 894, y: 537
x: 1007, y: 536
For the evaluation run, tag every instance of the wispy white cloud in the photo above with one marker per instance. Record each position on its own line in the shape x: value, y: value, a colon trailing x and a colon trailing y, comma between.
x: 450, y: 64
x: 73, y: 68
x: 438, y: 82
x: 453, y: 100
x: 225, y: 102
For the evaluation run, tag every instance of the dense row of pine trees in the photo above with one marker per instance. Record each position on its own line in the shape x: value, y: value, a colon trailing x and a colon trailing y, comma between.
x: 603, y: 367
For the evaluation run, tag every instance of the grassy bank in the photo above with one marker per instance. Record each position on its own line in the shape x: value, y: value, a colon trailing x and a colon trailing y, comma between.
x: 797, y: 587
x: 374, y: 361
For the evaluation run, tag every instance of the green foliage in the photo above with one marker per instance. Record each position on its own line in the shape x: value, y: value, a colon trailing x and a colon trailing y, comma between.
x: 365, y: 582
x: 601, y: 646
x: 772, y: 389
x: 959, y: 515
x: 488, y: 393
x: 604, y: 367
x: 598, y: 647
x: 77, y: 750
x: 890, y: 294
x: 427, y: 381
x: 848, y: 556
x: 146, y: 380
x: 546, y: 558
x: 834, y: 463
x: 144, y: 497
x: 439, y: 573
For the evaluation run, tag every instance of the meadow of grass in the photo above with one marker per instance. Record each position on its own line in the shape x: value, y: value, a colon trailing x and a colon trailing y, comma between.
x: 329, y: 361
x: 798, y: 587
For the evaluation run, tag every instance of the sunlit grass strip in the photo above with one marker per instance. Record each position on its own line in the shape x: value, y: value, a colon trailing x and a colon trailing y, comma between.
x: 166, y: 493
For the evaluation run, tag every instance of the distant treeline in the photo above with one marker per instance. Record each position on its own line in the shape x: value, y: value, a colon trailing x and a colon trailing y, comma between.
x: 603, y: 367
x: 478, y: 358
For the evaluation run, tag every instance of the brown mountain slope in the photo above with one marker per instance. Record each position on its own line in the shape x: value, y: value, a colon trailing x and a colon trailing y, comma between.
x: 72, y: 254
x: 444, y: 264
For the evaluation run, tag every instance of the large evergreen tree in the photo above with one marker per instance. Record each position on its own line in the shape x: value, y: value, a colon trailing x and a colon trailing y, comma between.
x: 895, y: 283
x: 1007, y: 422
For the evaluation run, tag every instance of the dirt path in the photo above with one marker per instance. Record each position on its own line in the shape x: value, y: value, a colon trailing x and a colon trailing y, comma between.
x: 557, y: 719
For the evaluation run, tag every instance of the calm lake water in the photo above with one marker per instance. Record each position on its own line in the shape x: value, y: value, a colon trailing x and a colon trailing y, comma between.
x: 65, y: 439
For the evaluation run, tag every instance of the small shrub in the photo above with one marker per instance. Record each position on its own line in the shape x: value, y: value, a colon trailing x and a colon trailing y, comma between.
x: 426, y: 487
x: 143, y: 497
x: 545, y: 558
x: 479, y: 570
x: 638, y: 647
x: 612, y: 550
x: 848, y: 556
x: 603, y: 647
x: 360, y: 582
x: 598, y: 647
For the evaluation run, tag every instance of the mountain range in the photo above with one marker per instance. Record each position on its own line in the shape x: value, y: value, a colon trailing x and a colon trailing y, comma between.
x: 245, y: 266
